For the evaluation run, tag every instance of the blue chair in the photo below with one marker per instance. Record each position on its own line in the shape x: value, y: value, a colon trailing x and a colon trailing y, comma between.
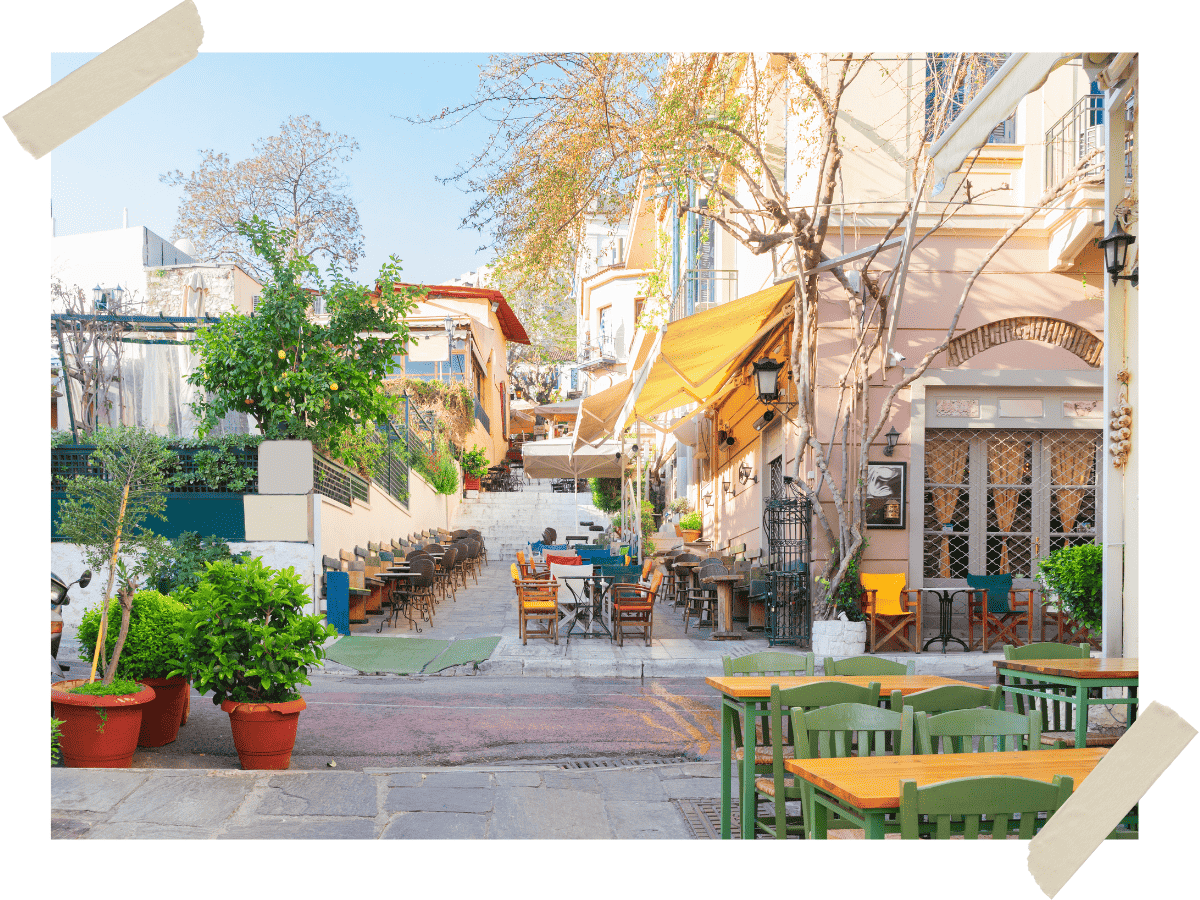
x: 992, y: 601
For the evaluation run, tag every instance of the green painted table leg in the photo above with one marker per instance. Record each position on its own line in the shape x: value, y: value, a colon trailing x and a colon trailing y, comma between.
x: 1081, y: 713
x: 873, y: 824
x: 726, y: 765
x: 816, y: 816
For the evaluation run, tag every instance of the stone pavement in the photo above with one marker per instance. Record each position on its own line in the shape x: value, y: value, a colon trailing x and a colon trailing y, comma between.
x: 517, y: 801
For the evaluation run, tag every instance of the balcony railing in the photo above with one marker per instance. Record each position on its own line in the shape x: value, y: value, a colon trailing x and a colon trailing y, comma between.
x: 1073, y: 137
x: 703, y: 289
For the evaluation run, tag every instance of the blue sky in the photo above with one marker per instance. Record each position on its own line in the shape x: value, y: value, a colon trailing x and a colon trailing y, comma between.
x: 226, y: 101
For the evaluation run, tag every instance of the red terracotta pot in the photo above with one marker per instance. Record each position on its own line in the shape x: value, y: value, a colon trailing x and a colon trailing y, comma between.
x: 264, y: 733
x: 163, y: 715
x: 98, y: 732
x: 471, y: 482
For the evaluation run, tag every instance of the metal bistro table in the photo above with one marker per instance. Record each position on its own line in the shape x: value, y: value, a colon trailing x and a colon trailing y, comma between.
x: 1084, y: 675
x: 746, y: 698
x: 398, y: 576
x: 945, y: 598
x: 865, y: 789
x: 584, y: 606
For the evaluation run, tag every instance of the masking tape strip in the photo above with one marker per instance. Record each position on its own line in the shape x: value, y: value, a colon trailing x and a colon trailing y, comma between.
x: 1117, y: 783
x: 100, y: 85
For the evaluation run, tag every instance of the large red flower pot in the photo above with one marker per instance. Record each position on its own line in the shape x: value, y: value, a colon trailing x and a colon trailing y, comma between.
x: 163, y: 715
x: 98, y: 732
x: 264, y: 733
x: 471, y: 482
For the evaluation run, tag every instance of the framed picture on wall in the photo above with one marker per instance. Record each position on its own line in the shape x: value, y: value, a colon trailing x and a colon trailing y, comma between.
x: 887, y: 494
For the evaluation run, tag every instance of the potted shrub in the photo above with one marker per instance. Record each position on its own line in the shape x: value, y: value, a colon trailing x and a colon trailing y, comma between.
x: 153, y: 647
x: 1073, y: 577
x: 691, y: 525
x: 474, y: 465
x: 104, y: 514
x: 843, y: 632
x: 248, y: 642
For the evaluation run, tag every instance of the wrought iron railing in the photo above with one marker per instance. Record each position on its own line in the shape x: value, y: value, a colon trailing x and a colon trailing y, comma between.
x: 1073, y: 137
x: 703, y: 289
x: 787, y: 523
x: 338, y: 483
x: 390, y: 472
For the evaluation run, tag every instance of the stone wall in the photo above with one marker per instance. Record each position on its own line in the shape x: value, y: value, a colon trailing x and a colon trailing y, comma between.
x: 165, y: 288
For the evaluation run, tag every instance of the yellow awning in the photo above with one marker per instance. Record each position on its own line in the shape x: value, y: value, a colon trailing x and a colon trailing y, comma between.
x: 598, y: 413
x: 700, y: 353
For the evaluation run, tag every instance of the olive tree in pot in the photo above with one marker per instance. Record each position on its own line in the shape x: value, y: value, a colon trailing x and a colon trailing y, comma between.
x: 152, y: 651
x: 104, y: 513
x: 840, y: 629
x: 249, y: 643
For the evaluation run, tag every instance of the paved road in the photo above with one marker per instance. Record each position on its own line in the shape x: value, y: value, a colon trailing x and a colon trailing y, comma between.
x: 392, y: 721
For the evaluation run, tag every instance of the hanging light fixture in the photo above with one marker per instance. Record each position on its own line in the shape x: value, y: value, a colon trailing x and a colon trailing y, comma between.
x: 1116, y: 246
x: 745, y: 473
x: 766, y: 379
x: 117, y: 293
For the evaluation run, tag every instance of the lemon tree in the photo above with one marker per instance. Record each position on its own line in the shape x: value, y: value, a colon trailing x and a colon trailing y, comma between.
x: 300, y: 377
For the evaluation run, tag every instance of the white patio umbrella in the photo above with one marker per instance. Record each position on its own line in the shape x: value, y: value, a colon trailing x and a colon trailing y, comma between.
x: 554, y: 459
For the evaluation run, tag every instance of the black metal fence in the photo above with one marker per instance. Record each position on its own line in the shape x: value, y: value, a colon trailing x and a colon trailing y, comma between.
x: 69, y: 460
x: 787, y: 522
x: 391, y: 469
x: 337, y: 482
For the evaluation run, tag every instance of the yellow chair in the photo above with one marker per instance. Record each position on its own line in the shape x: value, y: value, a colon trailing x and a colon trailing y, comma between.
x: 888, y: 615
x: 536, y: 602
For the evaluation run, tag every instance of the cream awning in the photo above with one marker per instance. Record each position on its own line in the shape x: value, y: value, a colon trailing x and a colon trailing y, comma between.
x: 699, y: 354
x: 565, y: 411
x: 598, y: 413
x: 555, y: 459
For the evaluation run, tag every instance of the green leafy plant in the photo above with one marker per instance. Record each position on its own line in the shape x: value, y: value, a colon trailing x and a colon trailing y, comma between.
x: 475, y: 462
x: 105, y: 514
x: 119, y: 687
x: 1076, y: 575
x: 299, y: 378
x: 691, y: 522
x: 438, y: 468
x: 154, y: 642
x: 679, y: 505
x: 178, y: 563
x: 846, y: 598
x: 55, y: 739
x: 606, y: 493
x: 246, y: 636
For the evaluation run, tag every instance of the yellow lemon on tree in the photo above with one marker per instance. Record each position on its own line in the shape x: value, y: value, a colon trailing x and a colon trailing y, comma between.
x: 283, y: 354
x: 333, y: 385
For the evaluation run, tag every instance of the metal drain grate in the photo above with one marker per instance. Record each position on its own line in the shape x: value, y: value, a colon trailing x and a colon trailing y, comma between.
x: 704, y: 818
x: 620, y: 763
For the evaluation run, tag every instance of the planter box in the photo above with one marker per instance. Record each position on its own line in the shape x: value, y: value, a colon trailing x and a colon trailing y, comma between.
x: 838, y: 638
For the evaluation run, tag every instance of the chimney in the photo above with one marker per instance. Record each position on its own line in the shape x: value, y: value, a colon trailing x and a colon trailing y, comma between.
x: 125, y: 217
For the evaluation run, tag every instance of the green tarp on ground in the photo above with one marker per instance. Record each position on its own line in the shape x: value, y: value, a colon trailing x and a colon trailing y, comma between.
x: 409, y: 656
x: 461, y: 652
x: 401, y: 656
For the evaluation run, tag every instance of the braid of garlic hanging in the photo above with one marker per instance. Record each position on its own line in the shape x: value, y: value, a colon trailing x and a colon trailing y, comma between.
x: 1120, y: 424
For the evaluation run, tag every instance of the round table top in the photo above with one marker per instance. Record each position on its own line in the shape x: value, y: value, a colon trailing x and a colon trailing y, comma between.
x: 722, y: 578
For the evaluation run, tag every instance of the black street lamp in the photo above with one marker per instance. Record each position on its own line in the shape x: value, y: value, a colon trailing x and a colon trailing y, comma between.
x: 766, y: 377
x: 892, y: 437
x: 1116, y: 253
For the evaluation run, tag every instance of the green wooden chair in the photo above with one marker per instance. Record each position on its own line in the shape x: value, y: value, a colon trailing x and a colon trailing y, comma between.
x: 950, y: 696
x: 956, y: 731
x: 868, y: 665
x: 849, y: 729
x: 993, y: 805
x: 781, y: 787
x: 767, y: 662
x: 1056, y: 717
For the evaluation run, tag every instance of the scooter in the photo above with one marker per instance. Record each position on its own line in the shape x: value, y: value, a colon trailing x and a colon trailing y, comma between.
x: 59, y: 599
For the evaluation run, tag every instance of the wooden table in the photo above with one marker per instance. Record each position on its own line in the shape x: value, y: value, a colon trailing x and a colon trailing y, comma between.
x: 1084, y: 675
x: 746, y: 698
x: 724, y: 585
x: 864, y: 789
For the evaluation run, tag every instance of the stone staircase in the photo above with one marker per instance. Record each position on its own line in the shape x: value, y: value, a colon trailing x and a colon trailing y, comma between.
x: 511, y: 521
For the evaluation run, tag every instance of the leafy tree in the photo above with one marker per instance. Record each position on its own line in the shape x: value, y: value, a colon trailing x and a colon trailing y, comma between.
x: 301, y: 379
x: 579, y: 135
x: 105, y: 514
x: 178, y: 563
x: 292, y: 181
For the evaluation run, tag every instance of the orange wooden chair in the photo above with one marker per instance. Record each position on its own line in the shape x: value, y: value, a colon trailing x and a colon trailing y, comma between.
x: 893, y: 612
x: 633, y: 607
x: 537, y: 601
x: 994, y: 603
